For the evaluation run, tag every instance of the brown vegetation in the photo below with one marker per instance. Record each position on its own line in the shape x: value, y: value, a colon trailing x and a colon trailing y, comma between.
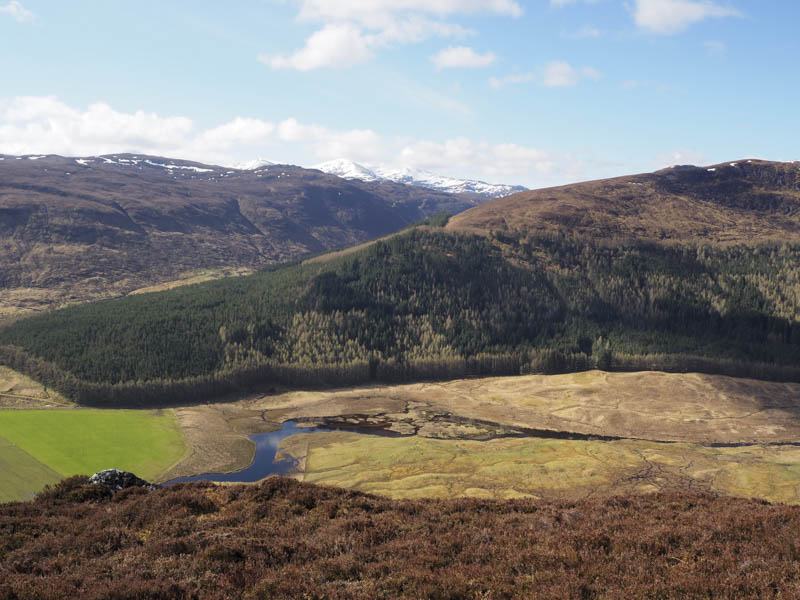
x: 73, y: 232
x: 747, y: 202
x: 283, y: 539
x: 651, y: 405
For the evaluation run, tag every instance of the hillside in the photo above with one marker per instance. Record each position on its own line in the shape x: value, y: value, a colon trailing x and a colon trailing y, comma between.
x: 443, y: 303
x: 742, y: 202
x: 424, y: 305
x: 80, y: 229
x: 283, y: 539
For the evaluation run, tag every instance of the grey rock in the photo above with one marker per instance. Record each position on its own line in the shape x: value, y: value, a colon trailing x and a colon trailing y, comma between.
x: 115, y: 480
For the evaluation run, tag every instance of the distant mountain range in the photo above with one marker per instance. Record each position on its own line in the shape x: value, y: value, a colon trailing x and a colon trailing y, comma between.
x: 347, y: 169
x: 76, y: 229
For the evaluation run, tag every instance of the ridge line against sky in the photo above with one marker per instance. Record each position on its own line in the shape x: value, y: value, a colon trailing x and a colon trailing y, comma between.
x: 535, y: 93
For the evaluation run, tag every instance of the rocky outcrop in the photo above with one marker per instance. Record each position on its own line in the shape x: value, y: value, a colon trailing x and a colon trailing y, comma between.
x: 115, y: 480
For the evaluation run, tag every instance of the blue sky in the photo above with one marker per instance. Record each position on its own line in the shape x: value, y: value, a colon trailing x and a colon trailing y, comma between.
x: 538, y: 93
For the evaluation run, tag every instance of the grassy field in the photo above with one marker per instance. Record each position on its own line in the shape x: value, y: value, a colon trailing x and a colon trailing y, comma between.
x: 71, y: 442
x: 648, y: 409
x: 21, y: 475
x: 413, y: 467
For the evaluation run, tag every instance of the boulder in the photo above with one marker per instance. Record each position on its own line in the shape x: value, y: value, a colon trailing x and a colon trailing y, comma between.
x: 116, y: 480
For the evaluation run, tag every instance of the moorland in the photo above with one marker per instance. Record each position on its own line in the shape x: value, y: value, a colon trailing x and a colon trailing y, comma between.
x: 603, y: 373
x: 284, y: 539
x: 74, y: 230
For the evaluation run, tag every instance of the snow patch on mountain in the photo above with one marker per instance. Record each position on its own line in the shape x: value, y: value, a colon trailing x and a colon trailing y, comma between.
x: 347, y: 169
x: 172, y: 166
x: 252, y: 165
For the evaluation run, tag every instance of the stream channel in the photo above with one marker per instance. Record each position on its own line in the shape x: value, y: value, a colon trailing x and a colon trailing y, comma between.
x: 264, y: 462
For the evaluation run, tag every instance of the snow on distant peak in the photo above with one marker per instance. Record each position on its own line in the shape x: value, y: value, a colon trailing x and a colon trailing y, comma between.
x: 348, y: 169
x: 252, y: 165
x: 172, y: 166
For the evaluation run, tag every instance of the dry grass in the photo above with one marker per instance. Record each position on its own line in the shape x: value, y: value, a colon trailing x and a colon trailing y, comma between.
x: 647, y: 408
x: 646, y: 405
x: 19, y: 391
x: 217, y: 436
x: 195, y: 277
x: 414, y: 467
x: 335, y: 254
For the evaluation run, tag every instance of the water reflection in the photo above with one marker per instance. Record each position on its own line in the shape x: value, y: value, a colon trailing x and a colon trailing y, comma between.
x: 264, y: 462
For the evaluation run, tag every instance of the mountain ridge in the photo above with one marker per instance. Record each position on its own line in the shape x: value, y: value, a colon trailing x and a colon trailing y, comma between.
x: 568, y: 279
x: 743, y: 201
x: 91, y: 227
x: 349, y: 169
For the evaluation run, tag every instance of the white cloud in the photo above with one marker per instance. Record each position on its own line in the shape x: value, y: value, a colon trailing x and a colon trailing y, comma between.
x: 481, y: 159
x: 414, y: 29
x: 501, y: 162
x: 239, y: 131
x: 325, y: 143
x: 512, y: 79
x: 354, y: 30
x: 562, y: 74
x: 461, y: 57
x: 674, y: 16
x: 335, y: 45
x: 46, y: 125
x: 17, y: 12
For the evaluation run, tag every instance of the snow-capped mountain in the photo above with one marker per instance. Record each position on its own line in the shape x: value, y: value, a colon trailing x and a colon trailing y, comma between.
x: 348, y: 169
x: 252, y: 165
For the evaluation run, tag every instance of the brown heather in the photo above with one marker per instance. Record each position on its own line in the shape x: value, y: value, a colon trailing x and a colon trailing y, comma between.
x: 743, y: 202
x: 284, y: 539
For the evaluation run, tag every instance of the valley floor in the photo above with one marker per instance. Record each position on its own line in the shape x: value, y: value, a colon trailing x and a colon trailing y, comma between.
x: 510, y: 436
x: 558, y: 437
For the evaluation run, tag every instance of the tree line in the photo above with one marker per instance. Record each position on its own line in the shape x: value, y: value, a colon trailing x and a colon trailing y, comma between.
x: 429, y: 305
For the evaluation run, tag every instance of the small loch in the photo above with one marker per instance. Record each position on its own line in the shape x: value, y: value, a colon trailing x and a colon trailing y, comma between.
x: 264, y: 463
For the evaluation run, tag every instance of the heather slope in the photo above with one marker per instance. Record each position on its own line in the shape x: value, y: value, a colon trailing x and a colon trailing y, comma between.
x: 283, y: 539
x: 747, y: 201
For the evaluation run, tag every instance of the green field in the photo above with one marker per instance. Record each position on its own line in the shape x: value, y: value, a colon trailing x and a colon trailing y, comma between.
x: 70, y: 442
x: 21, y: 475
